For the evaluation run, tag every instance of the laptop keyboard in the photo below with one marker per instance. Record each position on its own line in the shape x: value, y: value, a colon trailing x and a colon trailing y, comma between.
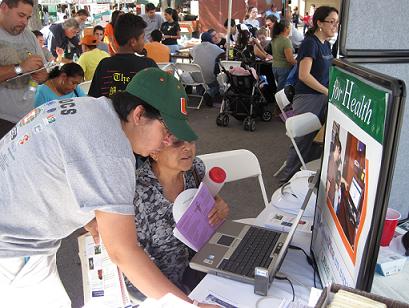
x: 254, y: 250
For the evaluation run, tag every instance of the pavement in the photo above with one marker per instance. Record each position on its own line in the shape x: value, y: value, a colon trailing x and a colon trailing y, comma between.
x: 268, y: 142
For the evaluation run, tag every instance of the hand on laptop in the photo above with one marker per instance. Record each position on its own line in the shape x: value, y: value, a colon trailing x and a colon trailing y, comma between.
x: 219, y: 212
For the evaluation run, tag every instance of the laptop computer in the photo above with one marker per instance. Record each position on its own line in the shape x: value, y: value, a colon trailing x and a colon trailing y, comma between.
x: 355, y: 193
x: 236, y: 249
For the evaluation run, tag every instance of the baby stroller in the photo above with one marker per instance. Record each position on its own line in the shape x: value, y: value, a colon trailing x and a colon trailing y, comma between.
x: 243, y: 98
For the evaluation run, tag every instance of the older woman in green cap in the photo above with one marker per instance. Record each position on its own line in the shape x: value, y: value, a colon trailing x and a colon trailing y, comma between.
x: 79, y: 154
x: 167, y: 95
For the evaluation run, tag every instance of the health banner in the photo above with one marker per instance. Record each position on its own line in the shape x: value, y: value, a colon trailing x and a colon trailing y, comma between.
x: 352, y: 157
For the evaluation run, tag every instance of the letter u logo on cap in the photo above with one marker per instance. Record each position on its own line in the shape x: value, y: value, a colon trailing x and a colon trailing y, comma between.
x: 183, y: 106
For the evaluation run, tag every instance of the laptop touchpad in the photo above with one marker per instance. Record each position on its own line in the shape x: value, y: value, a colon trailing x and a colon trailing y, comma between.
x: 225, y: 240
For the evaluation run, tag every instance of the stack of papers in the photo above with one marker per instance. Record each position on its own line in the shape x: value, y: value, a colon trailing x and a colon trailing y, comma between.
x: 103, y: 282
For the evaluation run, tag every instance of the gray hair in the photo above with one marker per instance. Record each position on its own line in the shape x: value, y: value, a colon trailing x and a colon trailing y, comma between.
x: 70, y: 23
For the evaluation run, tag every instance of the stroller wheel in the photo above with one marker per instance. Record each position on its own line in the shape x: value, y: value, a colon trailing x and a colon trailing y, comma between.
x: 252, y: 125
x: 266, y: 116
x: 219, y: 119
x: 225, y: 120
x: 246, y: 123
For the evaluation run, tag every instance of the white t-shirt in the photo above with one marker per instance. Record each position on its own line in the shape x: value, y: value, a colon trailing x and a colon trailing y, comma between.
x: 61, y: 162
x: 151, y: 24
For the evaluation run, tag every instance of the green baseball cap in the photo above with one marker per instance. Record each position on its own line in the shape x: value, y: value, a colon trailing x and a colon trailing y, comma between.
x: 165, y: 93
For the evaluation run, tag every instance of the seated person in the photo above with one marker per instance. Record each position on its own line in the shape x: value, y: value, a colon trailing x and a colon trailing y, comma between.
x: 99, y: 33
x: 251, y: 17
x: 155, y: 50
x: 216, y: 39
x: 62, y: 83
x: 233, y: 30
x: 244, y: 47
x: 205, y: 55
x: 263, y: 42
x: 64, y: 36
x: 158, y: 182
x: 91, y: 56
x: 40, y: 38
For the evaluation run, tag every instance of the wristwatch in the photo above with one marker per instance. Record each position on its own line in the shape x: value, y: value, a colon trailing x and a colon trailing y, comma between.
x: 18, y: 69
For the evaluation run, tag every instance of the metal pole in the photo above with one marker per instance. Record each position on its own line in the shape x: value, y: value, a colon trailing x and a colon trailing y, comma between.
x: 228, y: 29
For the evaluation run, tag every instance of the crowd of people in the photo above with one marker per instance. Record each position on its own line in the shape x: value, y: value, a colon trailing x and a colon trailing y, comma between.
x: 115, y: 159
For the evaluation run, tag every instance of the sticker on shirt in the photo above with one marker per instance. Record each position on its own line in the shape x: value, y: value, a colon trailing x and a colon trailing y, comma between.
x: 50, y: 103
x: 13, y: 133
x: 183, y: 109
x: 37, y: 129
x: 49, y: 119
x: 30, y: 117
x: 24, y: 139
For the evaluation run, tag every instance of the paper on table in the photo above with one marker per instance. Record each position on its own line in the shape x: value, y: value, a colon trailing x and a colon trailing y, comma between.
x: 281, y: 221
x: 194, y: 224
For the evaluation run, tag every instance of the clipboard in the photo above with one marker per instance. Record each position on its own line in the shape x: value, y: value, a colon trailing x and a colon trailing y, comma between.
x: 48, y: 66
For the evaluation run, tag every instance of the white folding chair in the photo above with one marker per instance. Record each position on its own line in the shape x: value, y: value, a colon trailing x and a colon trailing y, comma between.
x: 238, y: 164
x: 85, y: 86
x: 282, y: 102
x: 167, y: 67
x: 301, y: 125
x: 190, y: 74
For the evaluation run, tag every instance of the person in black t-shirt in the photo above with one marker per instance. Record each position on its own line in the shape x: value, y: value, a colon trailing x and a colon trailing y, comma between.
x: 311, y: 89
x: 171, y: 30
x: 114, y: 73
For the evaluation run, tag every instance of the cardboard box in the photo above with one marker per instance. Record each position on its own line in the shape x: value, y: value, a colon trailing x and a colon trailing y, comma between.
x: 389, y: 262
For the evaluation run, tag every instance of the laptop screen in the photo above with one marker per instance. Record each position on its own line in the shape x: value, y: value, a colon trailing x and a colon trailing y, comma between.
x: 355, y: 191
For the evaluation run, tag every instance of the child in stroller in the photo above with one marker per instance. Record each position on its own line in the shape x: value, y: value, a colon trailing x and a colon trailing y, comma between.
x: 244, y: 98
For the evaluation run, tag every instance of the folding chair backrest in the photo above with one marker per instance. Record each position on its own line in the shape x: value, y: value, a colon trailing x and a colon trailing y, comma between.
x: 282, y: 100
x: 188, y: 67
x: 302, y: 124
x: 238, y: 164
x: 189, y: 73
x: 85, y: 86
x: 167, y: 67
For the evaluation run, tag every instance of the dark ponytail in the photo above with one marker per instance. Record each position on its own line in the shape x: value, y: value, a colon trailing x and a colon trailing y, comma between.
x: 70, y: 69
x: 320, y: 14
x: 280, y: 27
x: 172, y: 13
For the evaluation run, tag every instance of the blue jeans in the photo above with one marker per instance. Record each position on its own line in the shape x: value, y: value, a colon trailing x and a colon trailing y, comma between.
x: 280, y: 75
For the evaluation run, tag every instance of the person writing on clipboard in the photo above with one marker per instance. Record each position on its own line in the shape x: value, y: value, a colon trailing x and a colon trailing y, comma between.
x: 70, y: 163
x: 20, y: 53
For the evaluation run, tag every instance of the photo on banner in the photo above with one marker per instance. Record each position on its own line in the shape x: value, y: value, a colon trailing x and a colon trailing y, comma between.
x: 361, y: 126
